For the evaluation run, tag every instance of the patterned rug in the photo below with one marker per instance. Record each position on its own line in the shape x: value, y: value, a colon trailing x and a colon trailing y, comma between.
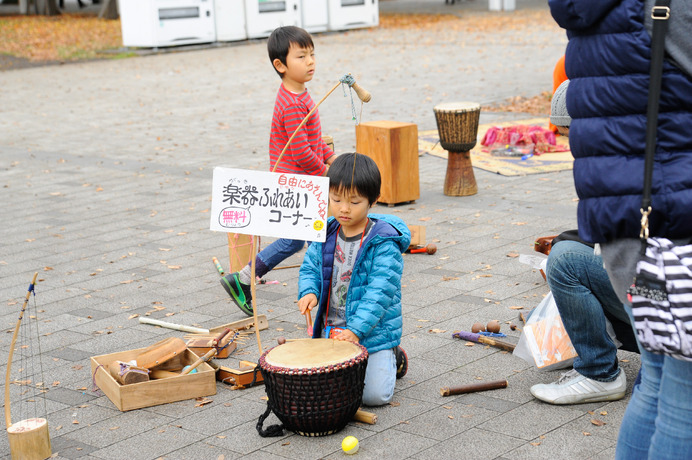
x: 428, y: 142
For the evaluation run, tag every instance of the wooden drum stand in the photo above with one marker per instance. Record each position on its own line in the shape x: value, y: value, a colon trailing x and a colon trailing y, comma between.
x: 457, y: 123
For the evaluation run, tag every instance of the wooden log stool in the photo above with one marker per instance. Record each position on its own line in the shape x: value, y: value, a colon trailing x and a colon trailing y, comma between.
x: 457, y: 123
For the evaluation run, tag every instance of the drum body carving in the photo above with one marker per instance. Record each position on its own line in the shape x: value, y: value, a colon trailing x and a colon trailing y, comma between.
x: 314, y: 386
x: 457, y: 124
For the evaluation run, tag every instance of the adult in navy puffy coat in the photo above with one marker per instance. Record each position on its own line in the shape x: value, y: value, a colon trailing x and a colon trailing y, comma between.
x: 607, y: 62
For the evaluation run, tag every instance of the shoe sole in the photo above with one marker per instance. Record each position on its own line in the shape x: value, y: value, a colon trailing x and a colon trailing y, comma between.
x: 242, y: 305
x: 403, y: 369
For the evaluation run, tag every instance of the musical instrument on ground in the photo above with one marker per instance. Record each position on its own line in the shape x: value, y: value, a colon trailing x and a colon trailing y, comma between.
x: 241, y: 377
x: 473, y: 387
x: 29, y: 438
x: 457, y: 124
x: 164, y: 354
x: 430, y: 249
x: 225, y: 342
x: 127, y: 373
x: 314, y: 386
x: 479, y: 338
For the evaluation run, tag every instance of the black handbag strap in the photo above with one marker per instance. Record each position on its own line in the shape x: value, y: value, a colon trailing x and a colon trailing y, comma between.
x: 660, y: 14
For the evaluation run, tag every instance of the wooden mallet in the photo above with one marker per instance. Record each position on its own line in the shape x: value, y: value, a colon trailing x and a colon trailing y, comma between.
x: 430, y: 249
x: 479, y: 338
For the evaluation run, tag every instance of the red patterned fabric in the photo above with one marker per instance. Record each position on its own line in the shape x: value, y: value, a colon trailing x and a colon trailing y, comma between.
x: 543, y: 140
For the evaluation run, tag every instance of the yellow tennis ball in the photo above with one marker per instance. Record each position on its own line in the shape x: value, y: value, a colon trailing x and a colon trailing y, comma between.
x: 350, y: 445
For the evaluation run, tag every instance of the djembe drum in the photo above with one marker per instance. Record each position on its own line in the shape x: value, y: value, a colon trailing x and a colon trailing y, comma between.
x: 314, y: 386
x: 457, y: 123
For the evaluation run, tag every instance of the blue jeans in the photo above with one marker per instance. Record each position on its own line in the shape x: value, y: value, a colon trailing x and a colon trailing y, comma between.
x: 275, y: 253
x: 584, y: 295
x: 658, y: 421
x: 380, y: 378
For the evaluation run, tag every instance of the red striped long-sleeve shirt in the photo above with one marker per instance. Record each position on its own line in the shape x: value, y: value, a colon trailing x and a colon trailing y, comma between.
x: 307, y: 152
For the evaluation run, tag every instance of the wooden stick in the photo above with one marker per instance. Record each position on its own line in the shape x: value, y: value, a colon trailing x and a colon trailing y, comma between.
x: 286, y: 266
x: 496, y: 343
x: 365, y: 417
x: 253, y: 289
x: 175, y: 327
x: 200, y: 360
x: 478, y: 338
x: 308, y: 321
x: 483, y: 386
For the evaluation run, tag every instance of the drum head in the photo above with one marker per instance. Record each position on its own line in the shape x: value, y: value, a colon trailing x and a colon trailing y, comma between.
x: 309, y: 353
x: 457, y: 107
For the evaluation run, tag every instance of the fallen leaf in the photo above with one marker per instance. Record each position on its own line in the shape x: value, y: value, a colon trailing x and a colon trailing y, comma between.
x: 135, y: 315
x: 203, y: 402
x: 174, y: 267
x: 114, y: 428
x: 425, y: 219
x: 586, y: 433
x: 469, y: 344
x: 513, y: 254
x: 604, y: 412
x: 535, y: 444
x: 595, y: 421
x: 450, y: 417
x: 395, y: 404
x: 437, y: 331
x: 516, y: 307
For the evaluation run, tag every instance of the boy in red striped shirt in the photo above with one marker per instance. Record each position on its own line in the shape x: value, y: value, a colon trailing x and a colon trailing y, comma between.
x: 292, y: 53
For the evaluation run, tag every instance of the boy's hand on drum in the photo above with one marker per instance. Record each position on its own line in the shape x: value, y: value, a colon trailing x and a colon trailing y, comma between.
x: 307, y: 301
x: 347, y: 336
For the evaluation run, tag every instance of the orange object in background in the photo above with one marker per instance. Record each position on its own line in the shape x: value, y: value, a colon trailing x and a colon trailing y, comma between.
x: 559, y: 75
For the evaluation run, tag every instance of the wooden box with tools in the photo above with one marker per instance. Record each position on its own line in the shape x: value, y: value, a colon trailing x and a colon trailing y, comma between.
x: 394, y: 147
x: 152, y: 392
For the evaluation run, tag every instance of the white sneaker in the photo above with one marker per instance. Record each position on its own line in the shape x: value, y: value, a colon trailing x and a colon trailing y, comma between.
x: 574, y: 388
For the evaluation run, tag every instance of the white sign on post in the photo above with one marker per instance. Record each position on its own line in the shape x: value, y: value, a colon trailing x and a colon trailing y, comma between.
x: 262, y: 203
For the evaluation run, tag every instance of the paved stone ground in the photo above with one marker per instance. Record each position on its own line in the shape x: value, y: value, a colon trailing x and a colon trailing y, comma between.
x: 106, y: 174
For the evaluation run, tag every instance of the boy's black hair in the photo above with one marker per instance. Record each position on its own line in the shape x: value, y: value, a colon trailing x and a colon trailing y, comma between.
x: 280, y: 42
x: 355, y: 172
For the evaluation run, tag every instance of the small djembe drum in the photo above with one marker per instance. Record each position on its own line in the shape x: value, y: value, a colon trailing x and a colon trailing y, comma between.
x: 457, y: 123
x: 314, y: 386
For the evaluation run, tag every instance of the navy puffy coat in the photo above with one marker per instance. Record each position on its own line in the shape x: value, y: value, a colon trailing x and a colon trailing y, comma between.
x: 607, y: 62
x: 373, y: 301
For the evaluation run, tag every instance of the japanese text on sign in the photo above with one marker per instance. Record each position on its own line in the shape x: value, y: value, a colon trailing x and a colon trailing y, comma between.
x: 269, y: 204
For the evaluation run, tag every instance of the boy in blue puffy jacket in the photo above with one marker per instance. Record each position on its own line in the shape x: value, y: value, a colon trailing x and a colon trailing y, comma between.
x: 354, y: 277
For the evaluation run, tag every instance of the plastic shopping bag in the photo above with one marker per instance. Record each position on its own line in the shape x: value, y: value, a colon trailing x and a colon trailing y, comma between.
x: 544, y: 341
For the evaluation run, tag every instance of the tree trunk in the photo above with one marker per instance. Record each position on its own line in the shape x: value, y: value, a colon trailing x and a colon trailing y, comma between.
x: 50, y: 8
x: 109, y: 10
